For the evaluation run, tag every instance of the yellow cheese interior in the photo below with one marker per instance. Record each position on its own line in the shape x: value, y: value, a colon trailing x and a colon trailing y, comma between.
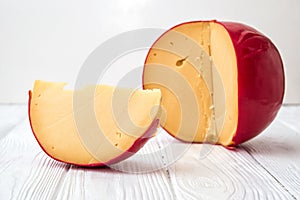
x: 92, y: 125
x: 203, y: 54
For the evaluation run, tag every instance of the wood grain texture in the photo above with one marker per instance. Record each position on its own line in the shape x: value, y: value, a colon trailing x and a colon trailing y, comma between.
x: 267, y: 167
x: 10, y: 116
x: 223, y: 174
x: 278, y: 152
x: 290, y: 116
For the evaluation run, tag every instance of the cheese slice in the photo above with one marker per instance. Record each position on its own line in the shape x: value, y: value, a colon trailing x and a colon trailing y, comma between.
x: 94, y: 125
x: 197, y: 57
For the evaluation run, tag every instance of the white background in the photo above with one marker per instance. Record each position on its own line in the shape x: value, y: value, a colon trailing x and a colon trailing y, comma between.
x: 50, y: 40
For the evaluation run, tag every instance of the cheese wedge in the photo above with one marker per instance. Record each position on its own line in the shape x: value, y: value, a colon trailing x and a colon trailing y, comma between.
x: 92, y: 126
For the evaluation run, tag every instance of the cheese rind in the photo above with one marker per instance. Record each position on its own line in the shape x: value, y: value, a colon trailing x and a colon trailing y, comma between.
x: 261, y: 81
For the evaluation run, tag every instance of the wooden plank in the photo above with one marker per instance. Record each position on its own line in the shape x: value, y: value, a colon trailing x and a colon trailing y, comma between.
x: 252, y: 171
x: 222, y: 174
x: 135, y: 180
x: 278, y: 151
x: 265, y: 168
x: 109, y: 184
x: 10, y: 116
x: 27, y: 173
x: 290, y: 116
x: 245, y: 175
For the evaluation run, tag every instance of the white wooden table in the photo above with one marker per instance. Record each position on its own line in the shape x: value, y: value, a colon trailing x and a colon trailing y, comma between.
x: 267, y: 167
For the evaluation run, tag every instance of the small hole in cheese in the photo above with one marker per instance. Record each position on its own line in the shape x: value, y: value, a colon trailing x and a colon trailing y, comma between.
x: 119, y: 134
x: 180, y: 62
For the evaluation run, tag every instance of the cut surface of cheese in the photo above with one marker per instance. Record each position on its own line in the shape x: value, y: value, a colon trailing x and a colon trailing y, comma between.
x: 94, y: 125
x: 203, y: 55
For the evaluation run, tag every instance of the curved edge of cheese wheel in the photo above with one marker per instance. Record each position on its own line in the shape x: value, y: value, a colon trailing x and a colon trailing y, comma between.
x: 139, y: 143
x: 258, y: 59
